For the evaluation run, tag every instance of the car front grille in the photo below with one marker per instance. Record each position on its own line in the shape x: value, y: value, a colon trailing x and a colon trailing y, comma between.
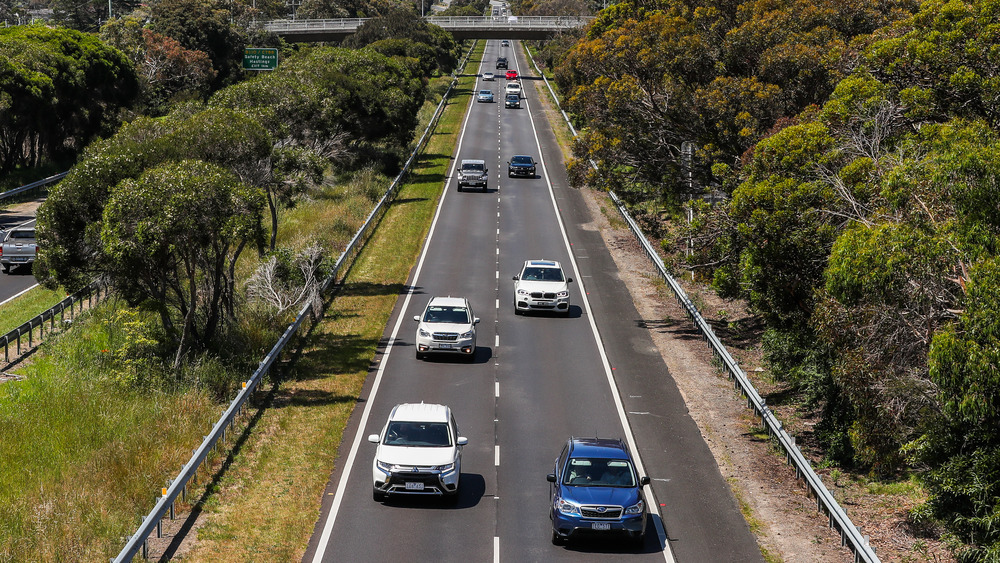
x: 599, y: 511
x: 540, y: 295
x: 446, y: 336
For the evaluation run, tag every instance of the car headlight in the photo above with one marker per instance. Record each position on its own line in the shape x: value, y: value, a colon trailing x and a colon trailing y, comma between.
x: 522, y: 291
x: 423, y: 333
x: 444, y: 468
x: 635, y: 508
x: 467, y: 334
x: 387, y: 467
x: 561, y: 294
x: 566, y: 507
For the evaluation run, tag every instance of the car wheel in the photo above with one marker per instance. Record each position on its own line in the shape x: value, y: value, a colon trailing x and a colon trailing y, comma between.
x: 377, y: 495
x: 518, y: 311
x: 460, y: 187
x: 510, y: 174
x: 420, y: 355
x: 566, y: 314
x: 484, y: 188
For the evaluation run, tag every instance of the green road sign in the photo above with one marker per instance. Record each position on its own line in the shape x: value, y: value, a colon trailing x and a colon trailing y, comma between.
x: 260, y: 58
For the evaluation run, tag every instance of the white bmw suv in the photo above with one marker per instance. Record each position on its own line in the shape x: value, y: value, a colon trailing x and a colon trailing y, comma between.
x: 541, y: 286
x: 419, y: 453
x: 447, y: 325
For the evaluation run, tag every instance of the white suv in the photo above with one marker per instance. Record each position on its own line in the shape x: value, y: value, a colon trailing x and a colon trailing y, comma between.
x: 448, y: 325
x: 541, y: 286
x: 419, y: 453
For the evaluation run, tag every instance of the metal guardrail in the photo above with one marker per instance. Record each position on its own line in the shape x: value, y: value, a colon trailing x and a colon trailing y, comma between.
x: 178, y: 485
x: 446, y: 22
x: 33, y: 185
x: 849, y: 534
x: 89, y: 294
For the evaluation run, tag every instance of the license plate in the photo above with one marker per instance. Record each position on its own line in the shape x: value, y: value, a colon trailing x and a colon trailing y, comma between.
x: 414, y: 486
x: 599, y: 525
x: 20, y: 259
x: 445, y: 346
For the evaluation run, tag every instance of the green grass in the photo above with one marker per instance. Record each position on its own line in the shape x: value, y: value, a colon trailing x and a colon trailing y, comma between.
x: 81, y: 457
x: 26, y: 307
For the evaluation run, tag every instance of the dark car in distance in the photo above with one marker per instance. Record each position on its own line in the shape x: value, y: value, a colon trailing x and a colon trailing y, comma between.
x: 512, y: 101
x: 596, y: 491
x: 501, y: 62
x: 521, y: 165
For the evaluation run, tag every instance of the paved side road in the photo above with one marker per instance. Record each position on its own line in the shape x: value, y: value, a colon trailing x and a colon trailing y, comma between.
x: 20, y: 279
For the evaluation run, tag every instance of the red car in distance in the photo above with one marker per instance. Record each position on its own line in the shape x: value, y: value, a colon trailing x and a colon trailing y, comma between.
x: 511, y: 74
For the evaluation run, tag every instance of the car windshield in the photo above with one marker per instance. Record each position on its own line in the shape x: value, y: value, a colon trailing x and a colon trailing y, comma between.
x: 485, y: 93
x: 475, y: 167
x: 542, y: 274
x: 521, y: 160
x: 599, y: 472
x: 425, y: 434
x: 453, y: 315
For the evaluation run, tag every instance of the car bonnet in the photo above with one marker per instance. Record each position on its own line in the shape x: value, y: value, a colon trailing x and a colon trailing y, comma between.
x: 415, y: 455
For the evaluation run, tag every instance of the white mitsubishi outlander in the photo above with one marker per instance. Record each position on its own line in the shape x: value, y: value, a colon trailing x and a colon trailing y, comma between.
x: 419, y: 453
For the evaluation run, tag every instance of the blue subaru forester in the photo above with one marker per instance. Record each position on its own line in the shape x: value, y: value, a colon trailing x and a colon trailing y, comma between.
x: 596, y: 490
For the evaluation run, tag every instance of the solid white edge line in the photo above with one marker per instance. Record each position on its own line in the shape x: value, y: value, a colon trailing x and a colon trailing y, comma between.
x: 349, y: 464
x: 13, y: 297
x: 650, y: 496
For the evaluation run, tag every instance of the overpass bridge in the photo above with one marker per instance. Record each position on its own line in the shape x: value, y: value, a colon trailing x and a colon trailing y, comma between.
x: 462, y: 27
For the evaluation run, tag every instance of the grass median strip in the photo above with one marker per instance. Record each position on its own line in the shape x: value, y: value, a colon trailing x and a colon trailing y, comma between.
x: 265, y: 505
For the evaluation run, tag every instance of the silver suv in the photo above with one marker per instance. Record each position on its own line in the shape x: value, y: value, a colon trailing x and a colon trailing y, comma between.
x: 448, y: 325
x: 472, y: 173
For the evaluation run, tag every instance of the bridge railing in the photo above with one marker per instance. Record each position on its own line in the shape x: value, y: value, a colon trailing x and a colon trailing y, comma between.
x: 825, y: 501
x: 447, y: 22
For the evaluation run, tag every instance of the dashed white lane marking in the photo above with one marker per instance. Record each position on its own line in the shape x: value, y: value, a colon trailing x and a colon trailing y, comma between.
x: 498, y: 274
x: 498, y: 303
x: 496, y: 341
x: 496, y: 389
x: 496, y: 456
x: 496, y: 549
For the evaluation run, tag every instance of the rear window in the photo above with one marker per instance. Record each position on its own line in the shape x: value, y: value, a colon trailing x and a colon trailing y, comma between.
x: 22, y: 234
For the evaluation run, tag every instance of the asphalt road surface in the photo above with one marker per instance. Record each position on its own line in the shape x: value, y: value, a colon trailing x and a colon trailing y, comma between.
x: 21, y: 278
x: 536, y: 381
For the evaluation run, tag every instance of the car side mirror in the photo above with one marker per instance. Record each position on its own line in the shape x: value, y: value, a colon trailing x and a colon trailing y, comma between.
x: 475, y: 321
x: 551, y: 477
x: 644, y: 480
x: 416, y: 318
x: 569, y: 280
x: 515, y: 278
x: 462, y: 440
x: 373, y: 438
x: 508, y: 163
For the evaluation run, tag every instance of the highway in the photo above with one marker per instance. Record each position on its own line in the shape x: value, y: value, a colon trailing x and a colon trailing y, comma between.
x: 18, y: 279
x: 536, y: 380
